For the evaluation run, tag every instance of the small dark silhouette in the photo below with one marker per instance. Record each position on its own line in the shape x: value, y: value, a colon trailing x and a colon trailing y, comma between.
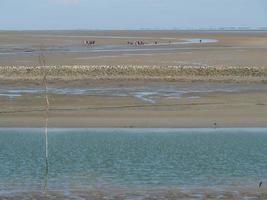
x: 89, y: 43
x: 139, y: 43
x: 260, y: 184
x: 215, y: 125
x: 200, y: 41
x: 136, y: 43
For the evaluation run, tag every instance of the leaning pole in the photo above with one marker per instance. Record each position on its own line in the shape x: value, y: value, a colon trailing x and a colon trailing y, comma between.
x: 46, y: 125
x: 45, y: 87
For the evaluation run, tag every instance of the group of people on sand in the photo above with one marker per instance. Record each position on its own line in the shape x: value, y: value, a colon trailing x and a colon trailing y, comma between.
x: 89, y: 43
x: 136, y: 43
x: 139, y: 42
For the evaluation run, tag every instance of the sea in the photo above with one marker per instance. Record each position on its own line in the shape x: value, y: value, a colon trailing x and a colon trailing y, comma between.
x: 130, y: 163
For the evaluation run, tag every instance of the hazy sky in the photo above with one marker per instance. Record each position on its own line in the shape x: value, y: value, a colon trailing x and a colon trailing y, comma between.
x: 131, y: 14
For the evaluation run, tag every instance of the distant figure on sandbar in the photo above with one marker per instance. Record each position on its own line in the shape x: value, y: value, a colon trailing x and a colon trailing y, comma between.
x: 89, y: 43
x: 137, y: 43
x: 260, y: 184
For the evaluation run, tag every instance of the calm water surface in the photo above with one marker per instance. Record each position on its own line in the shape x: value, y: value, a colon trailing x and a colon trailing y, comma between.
x: 131, y: 158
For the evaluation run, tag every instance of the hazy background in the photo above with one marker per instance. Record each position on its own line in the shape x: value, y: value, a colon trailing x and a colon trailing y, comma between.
x: 132, y: 14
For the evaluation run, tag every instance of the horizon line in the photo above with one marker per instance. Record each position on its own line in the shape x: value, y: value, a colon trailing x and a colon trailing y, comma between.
x: 147, y: 29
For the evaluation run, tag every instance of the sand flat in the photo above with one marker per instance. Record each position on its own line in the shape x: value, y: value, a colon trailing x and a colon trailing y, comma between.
x: 235, y: 56
x: 233, y: 48
x: 244, y: 108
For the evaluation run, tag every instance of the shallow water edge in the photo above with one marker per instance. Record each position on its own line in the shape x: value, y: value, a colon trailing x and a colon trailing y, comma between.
x: 112, y: 163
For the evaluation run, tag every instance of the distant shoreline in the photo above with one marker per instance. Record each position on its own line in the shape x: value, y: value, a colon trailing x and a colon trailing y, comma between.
x: 146, y: 29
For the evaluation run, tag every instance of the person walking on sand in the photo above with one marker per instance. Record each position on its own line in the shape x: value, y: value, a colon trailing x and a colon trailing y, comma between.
x: 260, y: 184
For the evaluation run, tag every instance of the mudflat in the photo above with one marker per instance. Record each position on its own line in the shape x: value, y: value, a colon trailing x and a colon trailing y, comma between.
x: 171, y: 79
x: 192, y: 48
x: 156, y: 83
x: 144, y: 104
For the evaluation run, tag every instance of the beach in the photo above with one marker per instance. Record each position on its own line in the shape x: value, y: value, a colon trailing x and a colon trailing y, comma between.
x: 178, y: 58
x: 217, y: 48
x: 135, y: 115
x: 144, y: 104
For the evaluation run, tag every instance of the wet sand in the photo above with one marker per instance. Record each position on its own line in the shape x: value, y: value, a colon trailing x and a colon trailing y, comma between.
x: 171, y: 193
x: 140, y: 107
x: 232, y: 48
x: 230, y: 57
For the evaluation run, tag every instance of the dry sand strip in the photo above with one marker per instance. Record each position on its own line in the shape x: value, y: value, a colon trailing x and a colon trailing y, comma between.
x: 135, y: 72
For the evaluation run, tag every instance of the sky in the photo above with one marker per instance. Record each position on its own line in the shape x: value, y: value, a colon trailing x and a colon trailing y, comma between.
x: 132, y: 14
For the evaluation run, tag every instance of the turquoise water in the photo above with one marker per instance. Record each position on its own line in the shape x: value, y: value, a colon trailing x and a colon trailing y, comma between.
x: 127, y: 158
